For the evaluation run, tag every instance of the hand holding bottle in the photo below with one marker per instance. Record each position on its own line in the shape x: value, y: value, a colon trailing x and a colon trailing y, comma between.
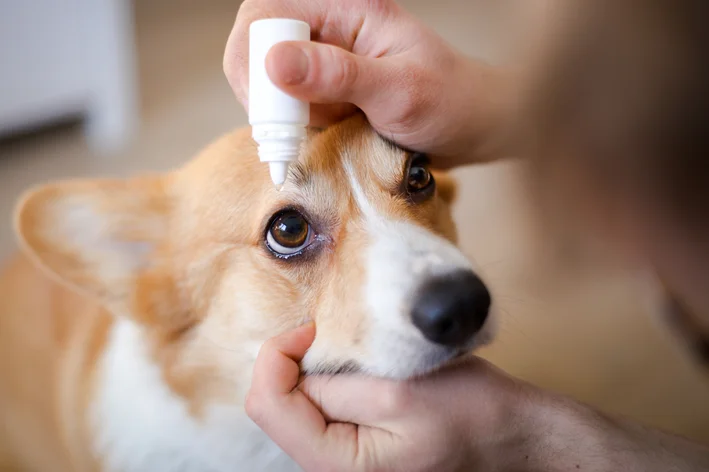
x: 414, y: 87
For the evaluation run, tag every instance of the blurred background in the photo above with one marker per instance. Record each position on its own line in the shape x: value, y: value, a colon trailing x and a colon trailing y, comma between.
x: 115, y: 87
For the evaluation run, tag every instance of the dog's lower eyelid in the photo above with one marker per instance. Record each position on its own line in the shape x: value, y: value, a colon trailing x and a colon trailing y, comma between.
x: 314, y: 244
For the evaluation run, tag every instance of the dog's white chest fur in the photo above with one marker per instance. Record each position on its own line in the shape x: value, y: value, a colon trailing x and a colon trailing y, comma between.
x: 140, y: 425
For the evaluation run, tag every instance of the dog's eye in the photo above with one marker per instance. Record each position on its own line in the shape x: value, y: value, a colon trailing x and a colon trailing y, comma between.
x: 419, y: 178
x: 289, y: 233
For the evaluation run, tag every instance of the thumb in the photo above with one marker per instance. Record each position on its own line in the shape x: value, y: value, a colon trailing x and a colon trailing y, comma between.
x: 321, y: 73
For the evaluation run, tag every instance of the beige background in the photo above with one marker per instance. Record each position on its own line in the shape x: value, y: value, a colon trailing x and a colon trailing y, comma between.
x: 568, y: 325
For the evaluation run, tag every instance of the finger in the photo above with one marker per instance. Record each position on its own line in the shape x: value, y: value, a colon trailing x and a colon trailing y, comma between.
x: 322, y: 73
x: 339, y: 24
x: 378, y: 403
x: 285, y: 413
x: 281, y: 355
x: 366, y: 401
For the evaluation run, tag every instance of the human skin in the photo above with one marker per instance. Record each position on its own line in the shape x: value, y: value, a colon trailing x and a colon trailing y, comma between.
x: 469, y: 416
x: 375, y: 56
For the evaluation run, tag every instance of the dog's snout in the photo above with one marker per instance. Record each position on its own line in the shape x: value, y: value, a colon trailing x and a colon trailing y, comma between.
x: 451, y: 309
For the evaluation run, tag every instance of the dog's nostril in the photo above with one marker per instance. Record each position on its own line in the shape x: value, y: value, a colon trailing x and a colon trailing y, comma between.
x: 451, y: 309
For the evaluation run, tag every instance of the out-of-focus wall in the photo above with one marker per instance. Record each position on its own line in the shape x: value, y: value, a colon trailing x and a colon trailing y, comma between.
x: 69, y: 57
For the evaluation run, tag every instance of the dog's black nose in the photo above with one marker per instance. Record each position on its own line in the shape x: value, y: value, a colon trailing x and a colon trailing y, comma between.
x: 451, y: 309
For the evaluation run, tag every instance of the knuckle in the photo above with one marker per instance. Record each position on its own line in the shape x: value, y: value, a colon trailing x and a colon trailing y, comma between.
x: 235, y: 60
x: 253, y: 405
x: 268, y: 346
x: 235, y: 66
x: 249, y: 11
x: 235, y: 63
x: 346, y: 70
x: 316, y: 396
x: 414, y: 84
x: 409, y: 110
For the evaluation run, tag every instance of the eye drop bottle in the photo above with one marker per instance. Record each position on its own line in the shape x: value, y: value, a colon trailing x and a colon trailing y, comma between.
x: 278, y: 121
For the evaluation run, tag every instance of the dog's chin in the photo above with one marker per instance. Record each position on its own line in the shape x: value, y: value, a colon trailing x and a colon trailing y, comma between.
x: 436, y: 360
x: 334, y: 368
x: 429, y: 358
x: 435, y: 363
x: 398, y: 358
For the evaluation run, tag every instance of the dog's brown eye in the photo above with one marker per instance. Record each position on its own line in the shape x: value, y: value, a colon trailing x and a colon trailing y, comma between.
x: 419, y: 177
x: 288, y: 234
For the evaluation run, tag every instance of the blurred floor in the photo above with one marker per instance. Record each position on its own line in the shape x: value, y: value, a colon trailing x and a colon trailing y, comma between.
x: 582, y: 331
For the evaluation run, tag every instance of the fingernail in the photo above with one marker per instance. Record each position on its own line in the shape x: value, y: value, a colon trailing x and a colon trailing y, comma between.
x: 292, y: 64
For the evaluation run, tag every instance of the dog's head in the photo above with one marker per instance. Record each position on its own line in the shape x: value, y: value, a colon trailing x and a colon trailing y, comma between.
x: 211, y: 260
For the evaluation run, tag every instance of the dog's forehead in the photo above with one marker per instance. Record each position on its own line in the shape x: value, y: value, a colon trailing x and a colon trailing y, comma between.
x: 329, y: 155
x: 347, y: 152
x: 226, y: 190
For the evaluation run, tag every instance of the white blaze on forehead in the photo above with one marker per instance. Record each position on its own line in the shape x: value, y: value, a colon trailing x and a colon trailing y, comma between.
x: 363, y: 203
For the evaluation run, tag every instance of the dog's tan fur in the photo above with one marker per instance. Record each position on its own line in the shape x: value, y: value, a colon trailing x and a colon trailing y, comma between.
x: 182, y: 256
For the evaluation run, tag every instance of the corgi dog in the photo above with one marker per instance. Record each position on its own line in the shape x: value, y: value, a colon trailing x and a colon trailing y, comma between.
x: 130, y: 325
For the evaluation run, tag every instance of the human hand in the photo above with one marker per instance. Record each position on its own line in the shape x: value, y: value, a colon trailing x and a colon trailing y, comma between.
x: 415, y: 88
x: 460, y: 418
x: 470, y: 416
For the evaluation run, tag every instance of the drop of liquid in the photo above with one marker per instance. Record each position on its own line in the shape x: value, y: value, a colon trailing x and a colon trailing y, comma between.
x: 279, y: 187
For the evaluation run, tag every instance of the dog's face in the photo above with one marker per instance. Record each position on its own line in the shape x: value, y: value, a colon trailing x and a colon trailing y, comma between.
x: 212, y: 260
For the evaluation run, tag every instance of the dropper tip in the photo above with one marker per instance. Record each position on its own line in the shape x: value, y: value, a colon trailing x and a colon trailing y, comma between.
x: 279, y: 173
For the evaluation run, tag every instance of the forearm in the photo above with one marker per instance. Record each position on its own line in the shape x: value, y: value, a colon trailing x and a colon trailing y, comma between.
x: 643, y: 449
x: 567, y: 436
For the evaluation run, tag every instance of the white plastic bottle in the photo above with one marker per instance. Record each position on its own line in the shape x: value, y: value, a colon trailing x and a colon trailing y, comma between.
x: 278, y: 121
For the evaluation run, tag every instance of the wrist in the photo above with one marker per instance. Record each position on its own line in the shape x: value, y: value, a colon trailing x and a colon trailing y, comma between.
x: 555, y: 434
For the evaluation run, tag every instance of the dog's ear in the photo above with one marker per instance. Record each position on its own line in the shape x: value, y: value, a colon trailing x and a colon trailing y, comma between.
x: 446, y: 187
x: 98, y: 236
